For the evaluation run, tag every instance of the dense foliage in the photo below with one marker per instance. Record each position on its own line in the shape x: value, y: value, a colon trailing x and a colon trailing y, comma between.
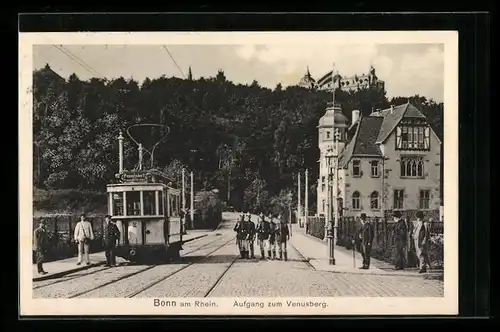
x: 245, y: 139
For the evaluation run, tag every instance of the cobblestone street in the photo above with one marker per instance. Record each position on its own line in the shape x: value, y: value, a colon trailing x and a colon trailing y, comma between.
x: 210, y: 267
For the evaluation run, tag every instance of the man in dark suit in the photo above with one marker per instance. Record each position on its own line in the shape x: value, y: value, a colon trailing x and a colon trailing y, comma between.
x: 400, y: 239
x: 251, y: 236
x: 40, y: 243
x: 111, y: 236
x: 367, y: 233
x: 421, y: 236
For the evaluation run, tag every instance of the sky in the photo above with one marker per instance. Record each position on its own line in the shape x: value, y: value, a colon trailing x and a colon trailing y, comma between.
x: 407, y: 69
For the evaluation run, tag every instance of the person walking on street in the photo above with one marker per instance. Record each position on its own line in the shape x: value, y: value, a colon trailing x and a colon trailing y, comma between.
x: 367, y: 233
x: 262, y: 231
x: 83, y: 235
x: 40, y: 239
x: 241, y: 235
x: 421, y: 239
x: 111, y: 236
x: 271, y: 249
x: 400, y: 234
x: 251, y: 236
x: 282, y: 236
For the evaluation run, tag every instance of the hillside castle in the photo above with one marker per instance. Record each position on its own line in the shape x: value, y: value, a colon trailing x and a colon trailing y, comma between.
x: 347, y: 84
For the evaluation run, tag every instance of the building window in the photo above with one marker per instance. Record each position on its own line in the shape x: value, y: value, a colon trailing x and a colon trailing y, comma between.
x: 424, y: 199
x: 374, y: 201
x: 374, y: 168
x: 356, y: 168
x: 413, y: 137
x: 356, y: 201
x: 322, y: 184
x: 327, y: 134
x: 398, y: 198
x: 323, y: 206
x: 412, y: 167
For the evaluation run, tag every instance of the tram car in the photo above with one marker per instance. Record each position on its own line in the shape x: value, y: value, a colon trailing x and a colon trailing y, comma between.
x: 146, y: 208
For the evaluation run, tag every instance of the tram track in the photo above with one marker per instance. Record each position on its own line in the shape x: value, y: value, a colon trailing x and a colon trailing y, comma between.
x: 66, y: 279
x: 156, y: 282
x: 219, y: 279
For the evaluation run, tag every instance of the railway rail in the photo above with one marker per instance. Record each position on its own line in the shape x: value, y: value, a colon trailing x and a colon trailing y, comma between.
x: 80, y: 275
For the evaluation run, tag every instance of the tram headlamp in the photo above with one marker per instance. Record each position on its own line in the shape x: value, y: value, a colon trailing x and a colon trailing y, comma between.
x: 132, y: 252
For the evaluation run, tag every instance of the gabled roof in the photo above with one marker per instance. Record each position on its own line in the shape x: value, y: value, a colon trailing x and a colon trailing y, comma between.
x: 374, y: 129
x: 392, y: 116
x: 363, y: 142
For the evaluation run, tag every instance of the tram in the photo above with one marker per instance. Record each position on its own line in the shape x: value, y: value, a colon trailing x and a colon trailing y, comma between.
x: 146, y: 208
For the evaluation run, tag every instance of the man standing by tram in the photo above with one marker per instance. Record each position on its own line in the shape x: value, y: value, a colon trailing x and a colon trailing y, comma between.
x: 83, y: 235
x: 251, y: 236
x: 241, y: 230
x: 40, y: 238
x: 111, y: 236
x: 366, y: 235
x: 282, y: 236
x: 262, y: 231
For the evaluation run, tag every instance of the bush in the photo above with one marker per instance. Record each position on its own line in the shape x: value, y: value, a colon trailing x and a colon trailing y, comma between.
x: 69, y: 201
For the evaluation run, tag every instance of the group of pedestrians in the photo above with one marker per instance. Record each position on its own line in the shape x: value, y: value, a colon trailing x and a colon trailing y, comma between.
x: 82, y: 236
x: 406, y: 233
x: 272, y: 234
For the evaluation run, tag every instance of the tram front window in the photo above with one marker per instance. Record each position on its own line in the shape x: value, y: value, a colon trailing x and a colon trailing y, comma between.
x: 133, y: 203
x: 118, y: 204
x: 149, y: 203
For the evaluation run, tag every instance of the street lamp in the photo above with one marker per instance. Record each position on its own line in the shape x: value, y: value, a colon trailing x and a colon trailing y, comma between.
x: 330, y: 222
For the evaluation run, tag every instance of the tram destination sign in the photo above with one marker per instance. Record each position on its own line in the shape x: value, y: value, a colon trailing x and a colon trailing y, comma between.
x: 135, y: 177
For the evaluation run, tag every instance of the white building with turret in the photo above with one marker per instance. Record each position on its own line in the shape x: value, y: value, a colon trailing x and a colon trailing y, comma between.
x: 389, y: 160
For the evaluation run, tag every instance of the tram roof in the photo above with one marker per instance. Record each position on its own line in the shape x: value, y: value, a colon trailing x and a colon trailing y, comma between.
x: 151, y: 176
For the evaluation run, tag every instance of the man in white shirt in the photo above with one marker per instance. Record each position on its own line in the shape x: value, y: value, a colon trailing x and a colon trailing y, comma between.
x: 83, y: 235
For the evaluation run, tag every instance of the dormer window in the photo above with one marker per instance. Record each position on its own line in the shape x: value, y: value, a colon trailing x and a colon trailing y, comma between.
x: 413, y: 135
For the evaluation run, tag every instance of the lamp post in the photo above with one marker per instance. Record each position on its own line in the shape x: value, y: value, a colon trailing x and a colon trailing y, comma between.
x: 337, y: 214
x: 329, y: 224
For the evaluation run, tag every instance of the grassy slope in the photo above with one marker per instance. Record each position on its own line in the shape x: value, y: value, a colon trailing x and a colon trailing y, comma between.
x: 68, y: 201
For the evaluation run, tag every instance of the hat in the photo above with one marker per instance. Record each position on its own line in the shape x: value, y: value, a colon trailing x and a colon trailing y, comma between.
x: 363, y: 216
x: 420, y: 214
x: 396, y: 214
x: 41, y: 221
x: 108, y: 216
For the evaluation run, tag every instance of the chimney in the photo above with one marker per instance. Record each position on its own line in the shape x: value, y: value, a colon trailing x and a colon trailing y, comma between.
x: 355, y: 116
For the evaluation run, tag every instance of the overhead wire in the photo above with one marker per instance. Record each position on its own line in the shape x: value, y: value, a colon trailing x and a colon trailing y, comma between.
x: 82, y: 63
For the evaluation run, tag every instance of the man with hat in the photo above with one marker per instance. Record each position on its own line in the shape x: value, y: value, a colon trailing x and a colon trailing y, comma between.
x: 40, y: 243
x: 282, y: 236
x: 421, y: 236
x: 366, y: 235
x: 241, y: 230
x: 262, y: 231
x: 400, y: 235
x: 250, y: 236
x: 271, y: 249
x: 111, y: 236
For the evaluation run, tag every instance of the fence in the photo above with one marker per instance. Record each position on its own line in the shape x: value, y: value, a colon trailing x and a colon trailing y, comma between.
x: 383, y: 247
x: 60, y: 235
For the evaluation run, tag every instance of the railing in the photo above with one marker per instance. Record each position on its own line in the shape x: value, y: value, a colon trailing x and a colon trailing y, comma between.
x: 384, y: 241
x: 60, y: 235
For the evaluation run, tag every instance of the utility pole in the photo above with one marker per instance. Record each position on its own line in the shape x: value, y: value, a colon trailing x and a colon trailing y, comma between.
x: 183, y: 200
x: 306, y: 196
x: 299, y: 212
x: 192, y: 201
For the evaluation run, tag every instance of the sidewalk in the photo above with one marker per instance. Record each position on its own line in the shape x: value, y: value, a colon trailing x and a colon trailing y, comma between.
x: 57, y: 269
x: 316, y: 252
